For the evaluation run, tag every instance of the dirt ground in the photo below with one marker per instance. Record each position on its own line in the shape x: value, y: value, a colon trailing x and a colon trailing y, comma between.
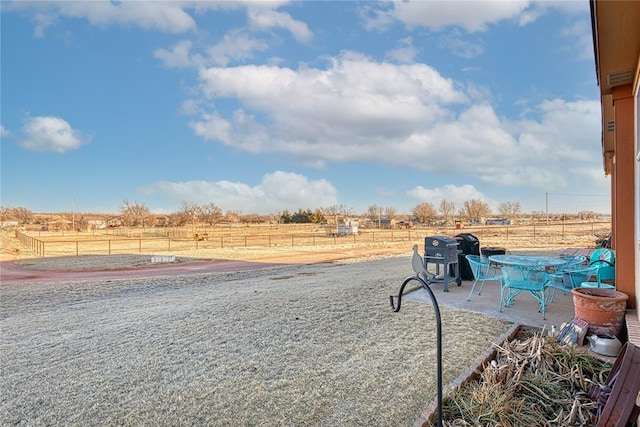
x: 16, y: 258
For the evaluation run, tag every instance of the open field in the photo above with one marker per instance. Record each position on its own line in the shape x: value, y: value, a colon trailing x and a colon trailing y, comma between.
x: 263, y: 241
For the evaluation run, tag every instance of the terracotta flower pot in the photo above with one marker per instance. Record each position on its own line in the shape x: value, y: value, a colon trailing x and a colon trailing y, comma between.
x: 602, y: 309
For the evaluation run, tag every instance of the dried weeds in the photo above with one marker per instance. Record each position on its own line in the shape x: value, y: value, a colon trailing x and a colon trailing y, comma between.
x: 532, y: 381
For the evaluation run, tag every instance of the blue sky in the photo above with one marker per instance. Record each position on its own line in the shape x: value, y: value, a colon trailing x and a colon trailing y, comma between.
x: 262, y: 106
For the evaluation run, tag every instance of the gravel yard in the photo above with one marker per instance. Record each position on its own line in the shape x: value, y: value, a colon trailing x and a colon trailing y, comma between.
x: 306, y: 345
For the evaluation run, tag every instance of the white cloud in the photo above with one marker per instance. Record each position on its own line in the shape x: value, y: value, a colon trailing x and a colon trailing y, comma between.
x: 375, y: 17
x: 351, y: 110
x: 277, y: 191
x: 262, y: 18
x: 47, y: 133
x: 4, y: 132
x: 235, y: 46
x: 455, y: 43
x: 179, y: 56
x: 405, y: 53
x: 437, y: 15
x: 472, y: 16
x: 191, y: 107
x: 579, y: 33
x: 400, y: 115
x: 42, y: 22
x: 159, y: 16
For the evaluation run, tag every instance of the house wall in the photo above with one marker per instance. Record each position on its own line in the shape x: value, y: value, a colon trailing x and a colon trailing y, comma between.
x: 636, y: 94
x: 623, y: 191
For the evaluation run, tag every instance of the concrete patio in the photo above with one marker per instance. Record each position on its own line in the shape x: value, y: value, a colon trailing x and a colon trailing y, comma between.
x: 524, y: 309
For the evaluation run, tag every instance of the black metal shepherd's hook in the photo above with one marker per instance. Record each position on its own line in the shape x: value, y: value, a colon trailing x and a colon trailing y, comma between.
x: 436, y: 309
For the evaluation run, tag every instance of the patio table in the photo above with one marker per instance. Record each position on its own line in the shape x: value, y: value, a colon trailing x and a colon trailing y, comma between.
x: 525, y: 273
x: 531, y: 261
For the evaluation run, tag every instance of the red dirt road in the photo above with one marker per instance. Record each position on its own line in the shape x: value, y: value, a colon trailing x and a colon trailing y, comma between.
x: 12, y: 272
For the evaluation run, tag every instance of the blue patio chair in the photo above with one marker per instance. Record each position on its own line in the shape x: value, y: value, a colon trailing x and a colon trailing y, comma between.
x: 482, y: 272
x: 555, y: 279
x: 570, y: 279
x: 518, y: 278
x: 603, y: 277
x: 602, y: 257
x: 603, y: 261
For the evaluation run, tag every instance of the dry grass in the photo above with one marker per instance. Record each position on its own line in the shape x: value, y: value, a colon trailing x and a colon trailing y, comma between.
x: 297, y: 345
x: 301, y: 237
x: 532, y: 381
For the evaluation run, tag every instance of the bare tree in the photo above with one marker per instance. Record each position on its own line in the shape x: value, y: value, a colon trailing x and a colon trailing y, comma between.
x: 189, y: 213
x: 424, y: 212
x: 587, y: 215
x: 336, y: 211
x: 135, y: 213
x: 211, y: 213
x: 175, y: 219
x: 332, y: 212
x: 447, y: 209
x: 20, y: 214
x: 509, y: 209
x: 475, y: 208
x: 374, y: 212
x: 537, y: 215
x: 233, y: 216
x: 390, y: 212
x: 275, y: 218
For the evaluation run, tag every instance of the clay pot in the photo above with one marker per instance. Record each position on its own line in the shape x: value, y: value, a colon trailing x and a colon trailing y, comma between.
x: 602, y: 309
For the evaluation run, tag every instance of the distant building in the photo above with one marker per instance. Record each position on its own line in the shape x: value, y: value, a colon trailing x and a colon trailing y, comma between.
x: 386, y: 223
x: 114, y: 221
x: 501, y: 221
x: 96, y: 224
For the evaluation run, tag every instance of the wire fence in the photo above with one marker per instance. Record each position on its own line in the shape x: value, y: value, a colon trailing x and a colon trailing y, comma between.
x: 180, y: 239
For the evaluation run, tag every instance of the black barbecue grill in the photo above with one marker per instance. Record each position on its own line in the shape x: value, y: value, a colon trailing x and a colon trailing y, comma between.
x: 442, y: 251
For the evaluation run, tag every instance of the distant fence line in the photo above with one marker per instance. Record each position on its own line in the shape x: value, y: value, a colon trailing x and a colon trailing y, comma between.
x: 182, y: 239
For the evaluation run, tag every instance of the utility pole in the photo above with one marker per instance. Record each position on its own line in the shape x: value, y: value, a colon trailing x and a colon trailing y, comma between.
x: 73, y: 215
x: 546, y: 199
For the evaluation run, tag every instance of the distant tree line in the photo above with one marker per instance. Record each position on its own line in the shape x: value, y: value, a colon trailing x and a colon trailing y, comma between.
x: 137, y: 214
x: 20, y: 214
